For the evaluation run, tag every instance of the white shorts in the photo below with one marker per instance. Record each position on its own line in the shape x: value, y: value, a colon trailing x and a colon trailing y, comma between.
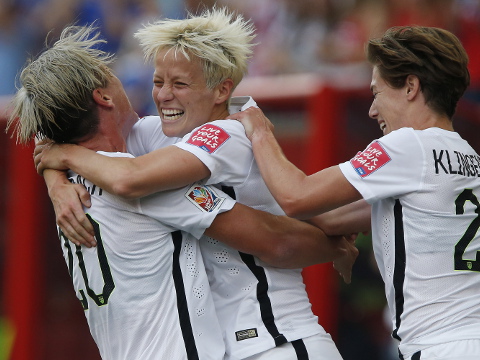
x: 455, y: 350
x: 317, y: 347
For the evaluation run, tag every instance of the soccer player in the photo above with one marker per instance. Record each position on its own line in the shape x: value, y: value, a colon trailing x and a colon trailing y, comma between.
x: 422, y: 181
x: 144, y: 288
x: 264, y: 311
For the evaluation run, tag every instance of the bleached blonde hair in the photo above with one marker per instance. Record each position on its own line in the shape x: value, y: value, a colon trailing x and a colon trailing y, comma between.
x: 221, y: 40
x: 55, y: 99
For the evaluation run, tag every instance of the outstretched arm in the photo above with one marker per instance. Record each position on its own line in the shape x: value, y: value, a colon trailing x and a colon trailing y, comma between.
x: 314, y: 194
x: 163, y: 169
x: 281, y: 241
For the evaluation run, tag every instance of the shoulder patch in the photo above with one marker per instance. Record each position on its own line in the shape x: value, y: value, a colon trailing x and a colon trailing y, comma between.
x: 370, y: 160
x: 204, y: 197
x: 209, y: 138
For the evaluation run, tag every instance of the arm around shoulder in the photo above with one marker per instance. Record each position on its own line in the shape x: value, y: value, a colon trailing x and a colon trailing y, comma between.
x: 163, y: 169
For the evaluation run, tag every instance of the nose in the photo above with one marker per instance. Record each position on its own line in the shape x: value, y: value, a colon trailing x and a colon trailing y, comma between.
x: 163, y: 93
x: 373, y: 113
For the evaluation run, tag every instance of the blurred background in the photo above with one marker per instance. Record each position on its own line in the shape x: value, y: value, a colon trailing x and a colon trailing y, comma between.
x: 307, y: 73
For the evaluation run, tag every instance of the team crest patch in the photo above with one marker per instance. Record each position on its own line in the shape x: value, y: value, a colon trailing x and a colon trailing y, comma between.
x: 209, y: 138
x: 370, y: 160
x: 246, y: 334
x: 204, y: 197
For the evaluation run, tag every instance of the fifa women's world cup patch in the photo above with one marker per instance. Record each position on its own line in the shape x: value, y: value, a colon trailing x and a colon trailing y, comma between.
x: 204, y: 197
x: 370, y: 160
x: 209, y: 138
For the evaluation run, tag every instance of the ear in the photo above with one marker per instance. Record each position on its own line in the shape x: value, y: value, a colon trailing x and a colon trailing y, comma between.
x: 224, y: 90
x: 102, y: 97
x: 412, y: 86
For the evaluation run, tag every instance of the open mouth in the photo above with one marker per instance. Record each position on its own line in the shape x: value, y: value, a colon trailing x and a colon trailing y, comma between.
x: 172, y: 114
x: 383, y: 126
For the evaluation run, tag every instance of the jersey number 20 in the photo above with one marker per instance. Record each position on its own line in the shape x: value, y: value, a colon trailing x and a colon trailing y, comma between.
x: 108, y: 283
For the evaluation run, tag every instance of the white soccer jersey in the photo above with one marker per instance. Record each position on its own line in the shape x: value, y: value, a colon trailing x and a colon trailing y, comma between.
x: 144, y: 288
x: 259, y: 306
x: 147, y: 135
x: 424, y: 189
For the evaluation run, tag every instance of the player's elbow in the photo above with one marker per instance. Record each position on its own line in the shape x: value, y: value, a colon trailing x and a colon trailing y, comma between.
x: 282, y: 255
x: 124, y: 191
x: 291, y: 206
x: 125, y: 186
x: 331, y: 225
x: 283, y: 247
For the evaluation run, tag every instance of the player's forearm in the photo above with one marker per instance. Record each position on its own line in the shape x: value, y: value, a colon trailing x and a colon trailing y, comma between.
x: 53, y: 178
x: 348, y: 219
x: 109, y: 173
x: 299, y: 195
x: 280, y: 175
x: 299, y: 245
x: 163, y: 169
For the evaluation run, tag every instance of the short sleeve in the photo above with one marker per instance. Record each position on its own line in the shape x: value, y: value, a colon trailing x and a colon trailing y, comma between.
x: 191, y: 209
x: 391, y: 166
x: 224, y: 148
x: 147, y: 136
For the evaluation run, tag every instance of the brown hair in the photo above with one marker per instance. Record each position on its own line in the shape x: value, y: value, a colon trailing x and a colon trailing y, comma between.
x: 434, y: 55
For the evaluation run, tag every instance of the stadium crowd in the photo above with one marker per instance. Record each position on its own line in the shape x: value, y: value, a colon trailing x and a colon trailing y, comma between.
x: 309, y: 36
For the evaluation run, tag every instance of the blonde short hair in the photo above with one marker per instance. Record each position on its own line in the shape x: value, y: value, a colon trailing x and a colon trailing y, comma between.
x: 55, y: 99
x: 220, y: 39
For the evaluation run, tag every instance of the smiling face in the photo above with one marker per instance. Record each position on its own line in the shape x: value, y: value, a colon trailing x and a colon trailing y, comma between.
x: 389, y: 104
x: 181, y: 95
